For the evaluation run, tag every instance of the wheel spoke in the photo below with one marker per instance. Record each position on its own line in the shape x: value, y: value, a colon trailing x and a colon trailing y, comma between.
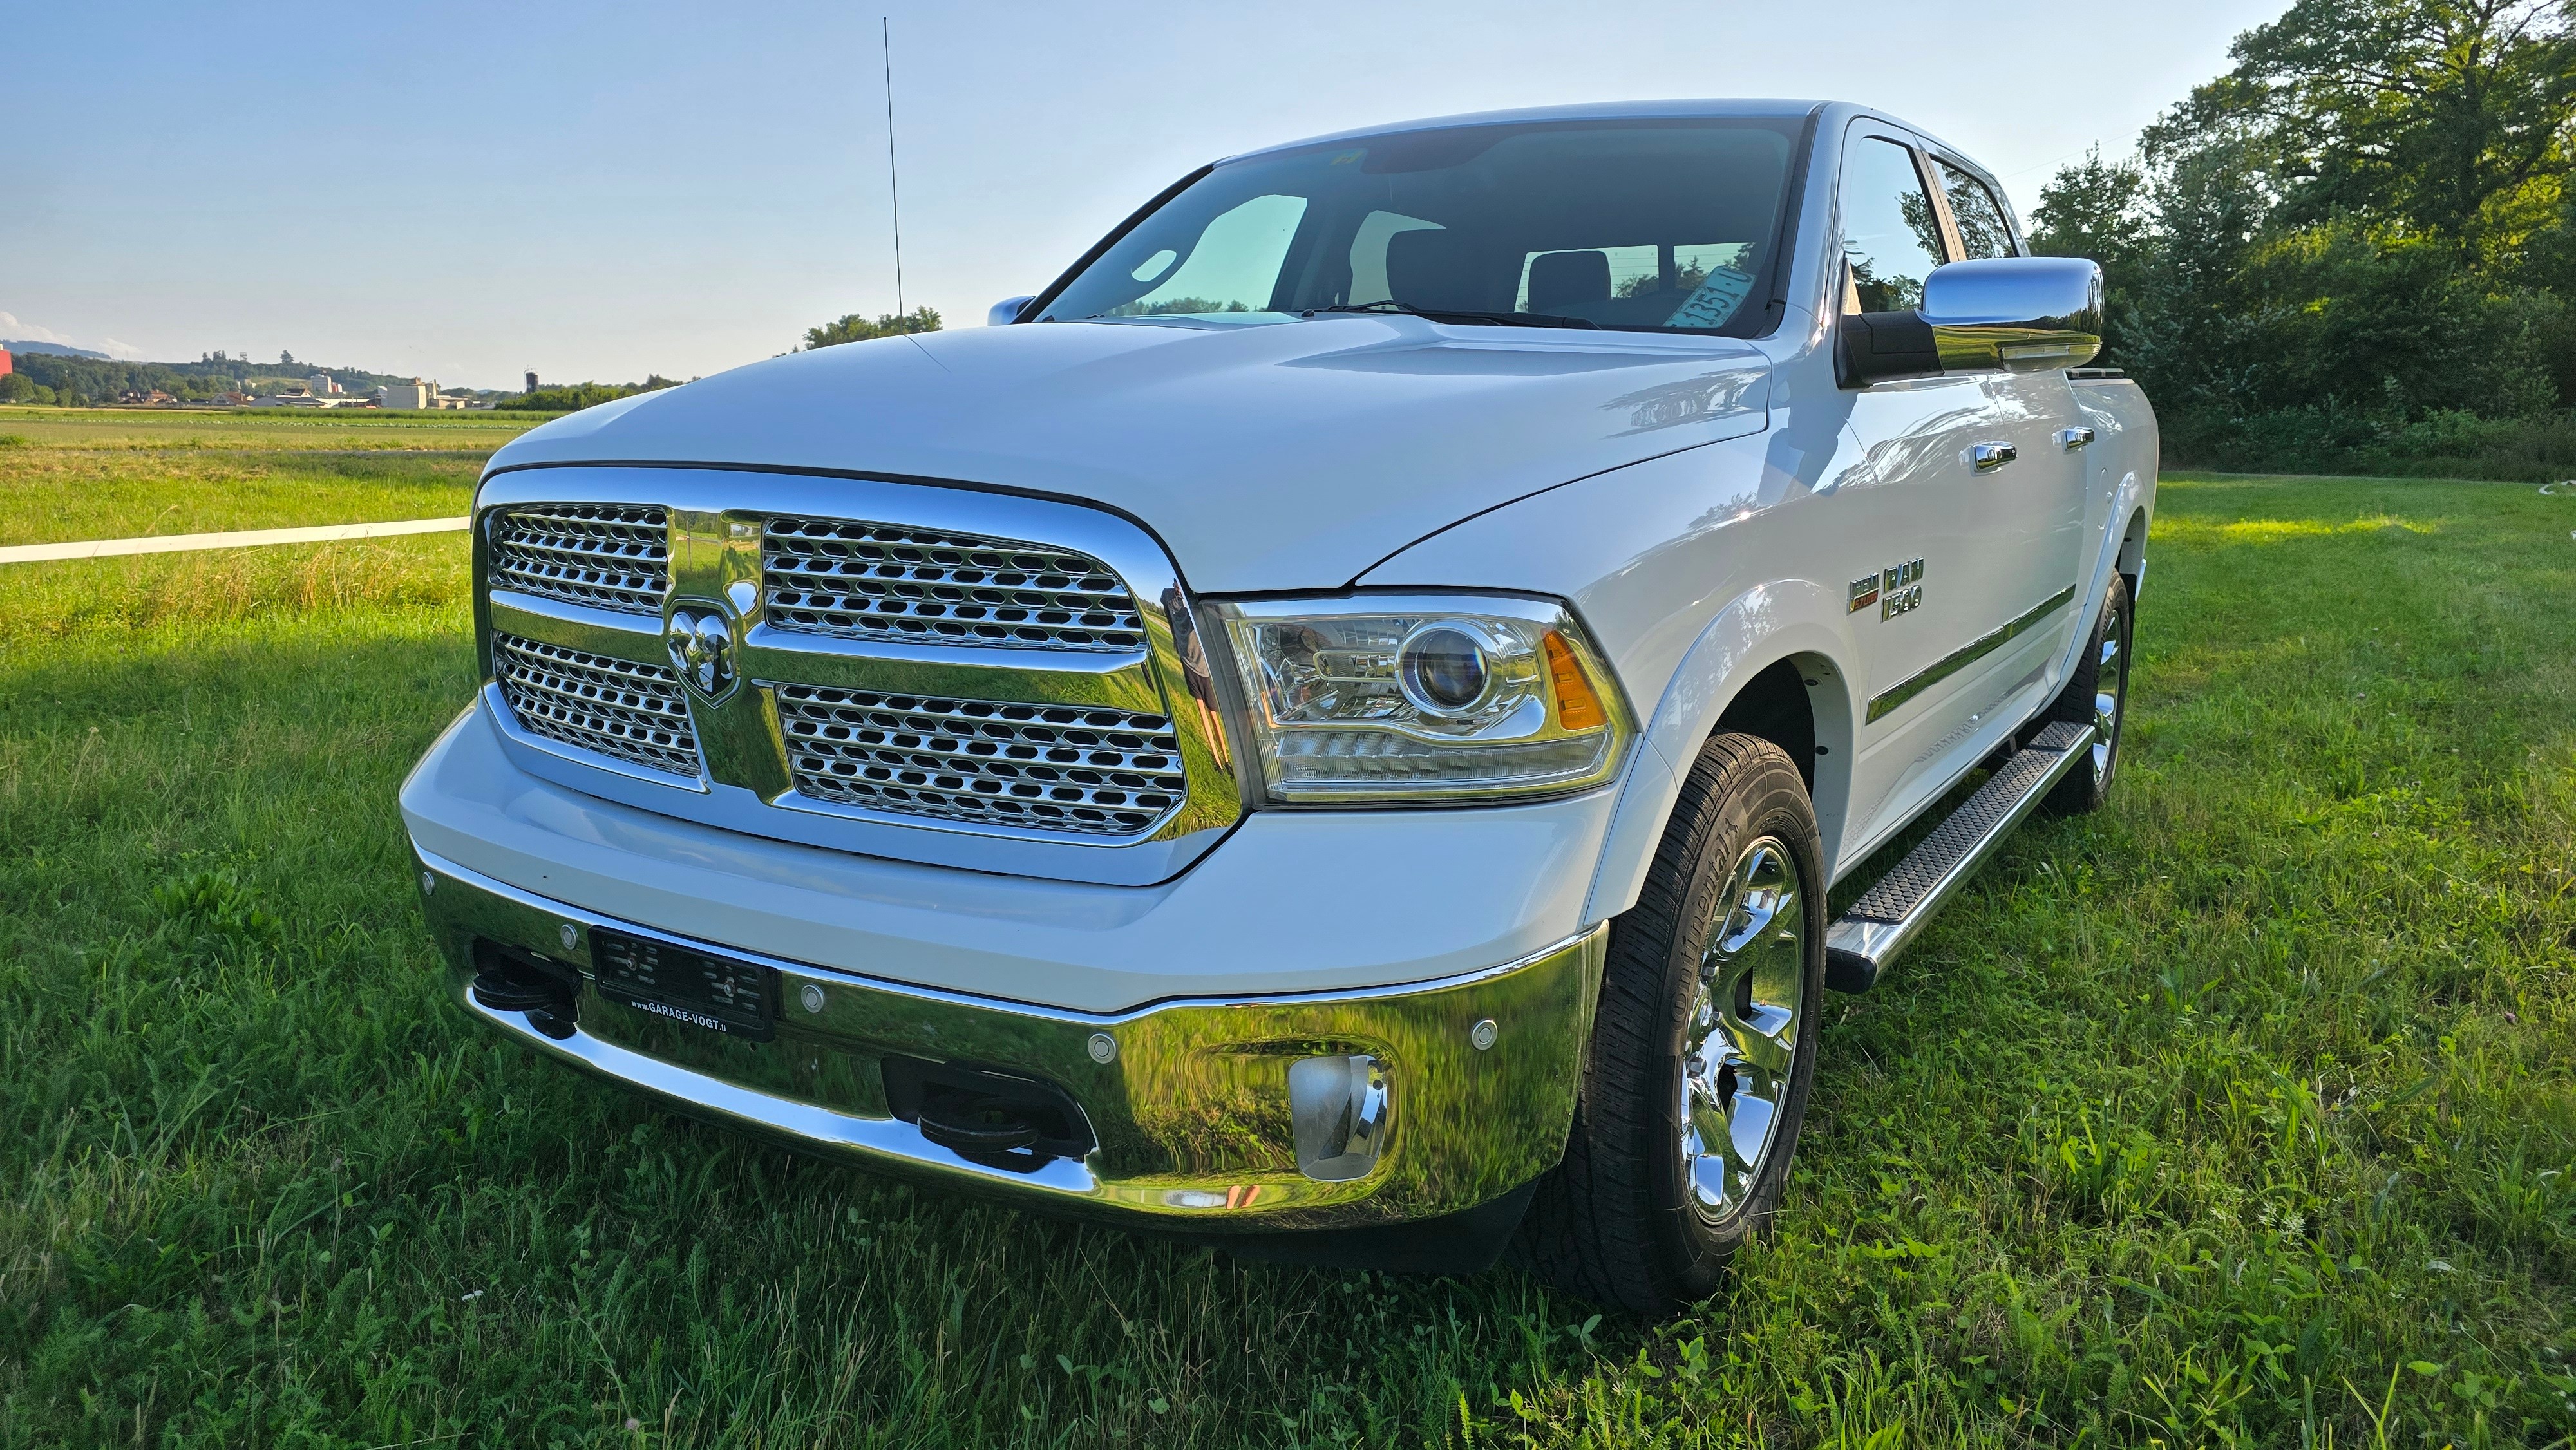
x: 2110, y: 682
x: 1742, y: 1036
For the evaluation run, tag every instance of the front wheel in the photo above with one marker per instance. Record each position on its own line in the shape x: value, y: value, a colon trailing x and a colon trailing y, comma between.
x: 1703, y: 1047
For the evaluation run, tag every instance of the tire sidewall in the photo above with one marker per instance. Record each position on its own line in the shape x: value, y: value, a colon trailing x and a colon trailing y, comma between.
x: 2085, y: 789
x: 1769, y: 800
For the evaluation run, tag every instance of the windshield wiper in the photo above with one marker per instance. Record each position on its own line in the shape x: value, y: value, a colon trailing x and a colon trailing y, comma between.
x: 1438, y: 314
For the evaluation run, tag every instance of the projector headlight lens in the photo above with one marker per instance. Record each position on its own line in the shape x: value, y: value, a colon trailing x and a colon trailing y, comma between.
x: 1442, y: 669
x: 1388, y: 699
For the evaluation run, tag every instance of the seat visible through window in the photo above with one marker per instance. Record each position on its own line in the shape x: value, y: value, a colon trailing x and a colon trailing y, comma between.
x: 1558, y: 280
x: 1431, y: 269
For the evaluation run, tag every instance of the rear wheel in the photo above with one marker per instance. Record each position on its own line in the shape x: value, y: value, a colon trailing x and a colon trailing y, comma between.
x: 1703, y: 1047
x: 2097, y: 694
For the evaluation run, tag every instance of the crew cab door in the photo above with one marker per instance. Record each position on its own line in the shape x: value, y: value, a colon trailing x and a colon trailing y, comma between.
x: 1962, y: 520
x: 2035, y: 505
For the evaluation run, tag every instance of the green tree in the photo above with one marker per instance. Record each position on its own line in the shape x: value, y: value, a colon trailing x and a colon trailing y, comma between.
x: 2363, y: 225
x: 857, y: 328
x: 572, y: 397
x: 2098, y: 209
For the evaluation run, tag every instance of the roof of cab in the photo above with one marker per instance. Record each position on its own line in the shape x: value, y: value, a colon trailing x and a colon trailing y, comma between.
x: 1748, y: 107
x: 1594, y: 111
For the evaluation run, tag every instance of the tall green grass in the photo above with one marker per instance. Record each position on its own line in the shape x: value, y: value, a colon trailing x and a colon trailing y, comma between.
x: 102, y: 474
x: 2239, y: 1114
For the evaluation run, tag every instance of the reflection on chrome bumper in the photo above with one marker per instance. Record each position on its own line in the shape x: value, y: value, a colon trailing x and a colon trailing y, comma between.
x: 1190, y: 1111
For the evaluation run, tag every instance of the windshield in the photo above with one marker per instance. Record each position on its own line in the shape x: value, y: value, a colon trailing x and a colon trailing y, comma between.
x: 1639, y: 225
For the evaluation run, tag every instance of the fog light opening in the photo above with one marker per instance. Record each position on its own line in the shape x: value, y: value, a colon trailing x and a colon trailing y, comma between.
x: 1339, y: 1107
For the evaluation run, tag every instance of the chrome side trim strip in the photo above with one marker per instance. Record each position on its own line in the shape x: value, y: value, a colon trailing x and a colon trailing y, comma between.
x: 1887, y: 702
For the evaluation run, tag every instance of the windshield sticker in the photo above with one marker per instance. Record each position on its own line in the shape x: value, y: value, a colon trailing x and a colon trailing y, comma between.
x: 1347, y: 157
x: 1715, y: 301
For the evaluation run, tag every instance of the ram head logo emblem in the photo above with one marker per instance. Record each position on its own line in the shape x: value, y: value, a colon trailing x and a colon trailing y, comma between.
x: 701, y: 644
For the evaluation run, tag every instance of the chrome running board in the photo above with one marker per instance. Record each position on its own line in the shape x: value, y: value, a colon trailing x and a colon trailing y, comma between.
x: 1869, y: 936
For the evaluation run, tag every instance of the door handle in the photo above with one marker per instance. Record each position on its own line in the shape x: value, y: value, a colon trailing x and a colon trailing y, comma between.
x: 2071, y: 439
x: 1990, y: 456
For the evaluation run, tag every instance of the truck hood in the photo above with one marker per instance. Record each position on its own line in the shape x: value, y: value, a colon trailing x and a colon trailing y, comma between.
x: 1266, y: 455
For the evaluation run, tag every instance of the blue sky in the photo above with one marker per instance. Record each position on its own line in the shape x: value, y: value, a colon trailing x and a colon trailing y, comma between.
x: 595, y: 191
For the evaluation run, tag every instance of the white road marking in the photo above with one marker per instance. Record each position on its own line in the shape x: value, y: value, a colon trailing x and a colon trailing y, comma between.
x: 247, y: 538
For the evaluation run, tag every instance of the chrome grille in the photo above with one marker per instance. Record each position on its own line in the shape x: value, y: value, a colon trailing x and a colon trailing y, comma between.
x: 1046, y: 767
x: 879, y: 582
x: 630, y: 711
x: 608, y: 556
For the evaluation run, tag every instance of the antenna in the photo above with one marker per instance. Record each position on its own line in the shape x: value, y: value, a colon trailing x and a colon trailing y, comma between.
x: 894, y: 192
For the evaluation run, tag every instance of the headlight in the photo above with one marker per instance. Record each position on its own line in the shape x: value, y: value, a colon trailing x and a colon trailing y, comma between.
x: 1391, y: 698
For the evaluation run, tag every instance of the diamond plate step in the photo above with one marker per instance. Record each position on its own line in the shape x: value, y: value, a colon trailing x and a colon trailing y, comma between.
x: 1878, y: 926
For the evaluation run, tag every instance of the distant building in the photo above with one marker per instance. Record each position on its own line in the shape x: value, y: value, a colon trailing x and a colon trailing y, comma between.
x: 532, y: 381
x: 303, y: 397
x: 413, y: 394
x: 321, y: 386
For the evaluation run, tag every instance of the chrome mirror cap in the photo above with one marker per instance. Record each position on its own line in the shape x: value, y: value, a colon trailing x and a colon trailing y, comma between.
x: 2015, y: 314
x: 1007, y: 311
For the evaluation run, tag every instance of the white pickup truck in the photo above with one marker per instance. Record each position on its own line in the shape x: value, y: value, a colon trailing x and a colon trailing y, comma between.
x: 1329, y: 729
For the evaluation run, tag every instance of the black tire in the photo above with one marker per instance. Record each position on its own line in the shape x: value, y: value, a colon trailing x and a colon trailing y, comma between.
x: 2097, y: 694
x: 1626, y: 1218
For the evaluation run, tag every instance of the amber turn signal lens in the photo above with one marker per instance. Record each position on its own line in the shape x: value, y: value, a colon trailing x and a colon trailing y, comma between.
x: 1577, y: 707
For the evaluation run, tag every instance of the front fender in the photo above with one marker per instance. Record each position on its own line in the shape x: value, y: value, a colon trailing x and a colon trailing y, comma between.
x: 1694, y: 573
x: 1762, y: 627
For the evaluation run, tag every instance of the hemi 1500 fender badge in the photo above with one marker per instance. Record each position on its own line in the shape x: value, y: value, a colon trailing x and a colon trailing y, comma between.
x: 1897, y: 589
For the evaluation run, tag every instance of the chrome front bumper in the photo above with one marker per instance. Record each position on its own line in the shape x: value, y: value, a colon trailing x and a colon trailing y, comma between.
x: 1190, y: 1112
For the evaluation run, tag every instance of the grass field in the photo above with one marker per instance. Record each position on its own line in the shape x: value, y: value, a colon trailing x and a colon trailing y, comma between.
x: 115, y: 474
x: 2243, y: 1113
x: 69, y: 474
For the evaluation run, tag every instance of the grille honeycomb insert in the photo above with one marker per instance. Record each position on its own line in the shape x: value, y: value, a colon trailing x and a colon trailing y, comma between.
x: 633, y: 712
x: 1044, y: 767
x: 608, y: 556
x: 878, y: 582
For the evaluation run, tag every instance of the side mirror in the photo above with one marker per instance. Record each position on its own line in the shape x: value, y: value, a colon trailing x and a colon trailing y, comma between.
x: 1007, y: 311
x: 2002, y: 314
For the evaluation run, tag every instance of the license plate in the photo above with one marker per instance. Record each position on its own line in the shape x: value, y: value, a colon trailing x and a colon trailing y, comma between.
x: 719, y: 994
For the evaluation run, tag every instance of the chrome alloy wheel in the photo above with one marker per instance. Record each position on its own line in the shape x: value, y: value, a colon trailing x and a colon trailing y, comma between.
x: 1741, y: 1038
x: 2110, y: 689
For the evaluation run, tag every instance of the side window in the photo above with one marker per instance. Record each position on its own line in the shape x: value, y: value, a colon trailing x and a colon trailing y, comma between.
x: 1889, y: 233
x: 1983, y: 232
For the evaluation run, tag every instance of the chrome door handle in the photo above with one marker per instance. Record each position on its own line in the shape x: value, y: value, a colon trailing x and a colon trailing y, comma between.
x: 2071, y: 439
x: 1990, y: 456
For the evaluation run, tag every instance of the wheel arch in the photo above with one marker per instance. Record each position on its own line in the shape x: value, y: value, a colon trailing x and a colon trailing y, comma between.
x: 2132, y: 558
x: 1763, y: 666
